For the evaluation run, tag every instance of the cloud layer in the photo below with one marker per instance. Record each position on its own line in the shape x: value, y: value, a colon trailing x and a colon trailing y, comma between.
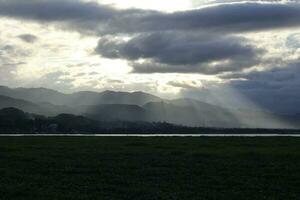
x: 100, y: 19
x: 182, y: 53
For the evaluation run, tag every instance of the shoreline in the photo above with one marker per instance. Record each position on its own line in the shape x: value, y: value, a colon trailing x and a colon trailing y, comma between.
x: 149, y: 135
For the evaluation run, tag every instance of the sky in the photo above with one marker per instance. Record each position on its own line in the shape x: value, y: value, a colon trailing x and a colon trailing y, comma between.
x: 233, y: 53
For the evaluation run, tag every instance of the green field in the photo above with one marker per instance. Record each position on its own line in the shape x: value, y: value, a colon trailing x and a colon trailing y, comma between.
x: 55, y: 168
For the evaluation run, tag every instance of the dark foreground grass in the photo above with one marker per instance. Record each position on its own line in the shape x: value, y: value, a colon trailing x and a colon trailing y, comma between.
x: 149, y: 168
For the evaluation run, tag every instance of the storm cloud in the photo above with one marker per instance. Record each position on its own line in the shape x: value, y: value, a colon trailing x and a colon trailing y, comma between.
x: 54, y: 10
x: 182, y: 53
x: 103, y: 19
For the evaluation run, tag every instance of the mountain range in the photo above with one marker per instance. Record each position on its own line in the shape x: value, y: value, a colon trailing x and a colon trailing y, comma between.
x: 110, y: 106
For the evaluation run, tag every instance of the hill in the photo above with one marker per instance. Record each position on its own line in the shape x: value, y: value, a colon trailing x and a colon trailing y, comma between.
x: 139, y: 106
x: 20, y: 104
x: 38, y: 95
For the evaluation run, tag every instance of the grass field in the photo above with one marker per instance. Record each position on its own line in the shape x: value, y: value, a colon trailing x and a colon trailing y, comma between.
x: 82, y: 168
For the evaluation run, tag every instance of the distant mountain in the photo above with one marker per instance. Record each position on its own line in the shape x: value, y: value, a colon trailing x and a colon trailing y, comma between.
x: 38, y: 108
x: 110, y: 97
x: 138, y: 106
x: 35, y: 95
x: 38, y: 95
x: 27, y: 106
x: 51, y: 109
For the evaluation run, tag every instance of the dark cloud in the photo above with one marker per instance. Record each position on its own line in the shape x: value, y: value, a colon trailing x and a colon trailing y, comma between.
x: 224, y: 18
x: 88, y: 17
x: 209, y: 2
x: 29, y: 38
x: 98, y: 18
x: 55, y: 10
x: 175, y: 49
x: 205, y: 68
x: 182, y: 53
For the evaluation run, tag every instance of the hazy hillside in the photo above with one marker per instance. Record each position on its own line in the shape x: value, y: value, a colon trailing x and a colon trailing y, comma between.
x: 27, y: 106
x: 110, y: 97
x: 35, y: 95
x: 139, y: 106
x: 38, y: 95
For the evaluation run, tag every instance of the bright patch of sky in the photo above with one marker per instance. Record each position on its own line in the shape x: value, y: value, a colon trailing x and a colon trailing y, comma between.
x: 162, y: 5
